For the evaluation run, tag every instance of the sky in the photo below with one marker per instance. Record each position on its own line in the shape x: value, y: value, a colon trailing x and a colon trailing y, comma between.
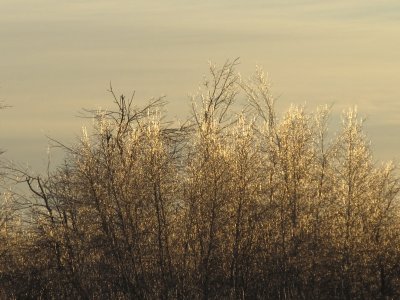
x: 58, y: 57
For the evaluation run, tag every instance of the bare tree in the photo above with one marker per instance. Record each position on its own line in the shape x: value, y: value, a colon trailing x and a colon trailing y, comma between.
x: 238, y: 203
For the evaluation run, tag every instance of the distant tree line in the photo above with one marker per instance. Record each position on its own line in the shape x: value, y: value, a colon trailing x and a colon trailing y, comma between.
x: 249, y: 205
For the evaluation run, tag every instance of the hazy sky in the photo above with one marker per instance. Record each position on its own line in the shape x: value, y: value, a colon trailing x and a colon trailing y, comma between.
x: 57, y: 57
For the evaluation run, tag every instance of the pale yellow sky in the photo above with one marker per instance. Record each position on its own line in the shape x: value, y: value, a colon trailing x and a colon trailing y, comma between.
x: 59, y: 56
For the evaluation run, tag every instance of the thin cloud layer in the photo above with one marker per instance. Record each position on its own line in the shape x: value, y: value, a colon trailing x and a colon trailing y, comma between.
x: 58, y: 57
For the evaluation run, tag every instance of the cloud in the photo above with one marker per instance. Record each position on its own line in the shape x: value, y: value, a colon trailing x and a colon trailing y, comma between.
x: 60, y: 55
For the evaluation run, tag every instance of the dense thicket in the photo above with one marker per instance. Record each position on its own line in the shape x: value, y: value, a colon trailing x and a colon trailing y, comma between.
x: 251, y: 205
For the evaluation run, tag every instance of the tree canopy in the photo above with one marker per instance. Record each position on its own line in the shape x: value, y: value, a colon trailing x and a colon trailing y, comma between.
x: 244, y: 205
